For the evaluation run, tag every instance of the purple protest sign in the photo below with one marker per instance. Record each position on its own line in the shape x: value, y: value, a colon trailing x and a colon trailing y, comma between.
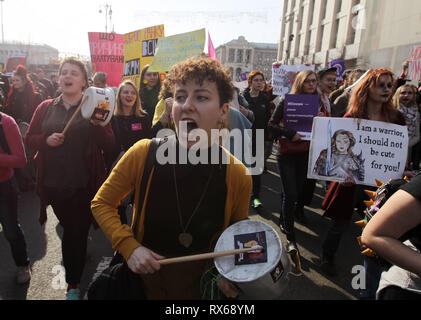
x: 339, y: 64
x: 299, y: 112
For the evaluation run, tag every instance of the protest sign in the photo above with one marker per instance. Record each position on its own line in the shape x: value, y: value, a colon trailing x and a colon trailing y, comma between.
x: 13, y: 61
x: 339, y: 64
x: 299, y: 112
x: 363, y: 149
x: 107, y: 55
x: 414, y: 63
x: 174, y: 49
x: 283, y: 77
x: 139, y: 50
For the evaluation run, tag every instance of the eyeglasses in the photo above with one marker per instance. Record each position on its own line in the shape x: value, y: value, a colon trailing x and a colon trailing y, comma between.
x: 383, y: 85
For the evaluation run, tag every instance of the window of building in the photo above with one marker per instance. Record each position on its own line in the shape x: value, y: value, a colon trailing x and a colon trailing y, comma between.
x: 335, y: 30
x: 237, y: 73
x: 297, y: 46
x: 312, y: 12
x: 240, y: 55
x: 320, y: 42
x: 248, y: 56
x: 324, y: 9
x: 340, y: 5
x: 231, y: 55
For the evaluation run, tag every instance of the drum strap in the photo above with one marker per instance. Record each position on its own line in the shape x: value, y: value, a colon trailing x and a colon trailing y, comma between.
x: 3, y: 142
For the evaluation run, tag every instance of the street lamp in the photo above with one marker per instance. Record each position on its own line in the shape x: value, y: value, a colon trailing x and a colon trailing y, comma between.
x: 108, y: 12
x: 2, y: 32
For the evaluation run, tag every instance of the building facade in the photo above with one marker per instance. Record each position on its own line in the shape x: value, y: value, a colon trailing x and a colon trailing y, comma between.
x: 241, y: 57
x: 365, y: 33
x: 36, y: 55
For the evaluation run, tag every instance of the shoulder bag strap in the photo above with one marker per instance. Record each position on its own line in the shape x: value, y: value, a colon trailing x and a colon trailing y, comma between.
x: 150, y: 161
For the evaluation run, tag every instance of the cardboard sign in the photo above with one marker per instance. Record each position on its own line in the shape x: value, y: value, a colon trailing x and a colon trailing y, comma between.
x: 107, y: 55
x: 174, y: 49
x: 139, y: 50
x: 299, y: 112
x: 339, y: 64
x: 414, y: 68
x: 363, y: 149
x: 283, y: 77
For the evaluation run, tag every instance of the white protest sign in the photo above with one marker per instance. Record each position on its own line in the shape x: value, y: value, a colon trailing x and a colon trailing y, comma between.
x: 283, y: 77
x: 364, y: 149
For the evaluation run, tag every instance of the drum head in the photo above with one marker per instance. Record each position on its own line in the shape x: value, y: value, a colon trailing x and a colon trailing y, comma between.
x: 99, y: 105
x: 227, y: 266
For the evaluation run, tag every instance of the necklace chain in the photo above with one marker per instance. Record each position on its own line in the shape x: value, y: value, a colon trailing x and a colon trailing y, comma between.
x: 184, y: 228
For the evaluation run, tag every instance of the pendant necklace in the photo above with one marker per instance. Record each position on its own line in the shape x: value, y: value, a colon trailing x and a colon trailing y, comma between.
x: 185, y: 238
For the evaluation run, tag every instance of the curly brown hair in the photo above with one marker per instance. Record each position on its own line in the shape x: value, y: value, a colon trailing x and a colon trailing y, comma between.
x: 201, y: 69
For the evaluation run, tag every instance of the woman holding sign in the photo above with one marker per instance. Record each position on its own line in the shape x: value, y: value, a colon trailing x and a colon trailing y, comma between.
x: 293, y: 160
x: 371, y: 99
x: 70, y: 166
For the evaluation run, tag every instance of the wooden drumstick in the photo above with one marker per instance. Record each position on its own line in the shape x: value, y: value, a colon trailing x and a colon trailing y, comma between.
x: 75, y: 114
x: 209, y: 255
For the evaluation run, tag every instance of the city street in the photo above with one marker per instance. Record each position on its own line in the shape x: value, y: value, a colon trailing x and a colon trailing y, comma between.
x: 44, y: 247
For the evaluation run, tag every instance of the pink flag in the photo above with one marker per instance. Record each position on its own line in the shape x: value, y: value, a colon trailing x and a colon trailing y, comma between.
x: 211, y: 49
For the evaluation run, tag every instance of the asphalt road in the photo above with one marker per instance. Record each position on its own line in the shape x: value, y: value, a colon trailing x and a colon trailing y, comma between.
x: 44, y: 247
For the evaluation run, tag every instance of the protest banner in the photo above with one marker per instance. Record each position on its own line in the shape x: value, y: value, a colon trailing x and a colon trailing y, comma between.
x: 299, y: 112
x: 139, y: 50
x: 364, y: 149
x: 414, y: 63
x: 174, y: 49
x: 107, y: 55
x: 13, y: 61
x: 283, y: 77
x: 339, y: 64
x: 414, y: 70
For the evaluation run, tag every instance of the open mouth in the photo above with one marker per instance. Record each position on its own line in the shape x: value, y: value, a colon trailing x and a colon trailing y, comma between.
x: 191, y: 125
x: 68, y: 84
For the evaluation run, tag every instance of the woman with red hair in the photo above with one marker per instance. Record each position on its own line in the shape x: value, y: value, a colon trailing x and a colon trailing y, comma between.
x: 371, y: 99
x: 22, y: 99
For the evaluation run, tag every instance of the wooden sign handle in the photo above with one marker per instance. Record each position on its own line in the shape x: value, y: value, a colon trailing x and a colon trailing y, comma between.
x: 209, y: 255
x: 74, y: 115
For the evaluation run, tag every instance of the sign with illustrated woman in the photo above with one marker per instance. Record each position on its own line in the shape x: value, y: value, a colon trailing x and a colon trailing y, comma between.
x: 362, y: 150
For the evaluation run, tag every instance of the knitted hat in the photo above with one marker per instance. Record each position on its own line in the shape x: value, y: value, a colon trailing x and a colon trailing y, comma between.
x: 21, y: 71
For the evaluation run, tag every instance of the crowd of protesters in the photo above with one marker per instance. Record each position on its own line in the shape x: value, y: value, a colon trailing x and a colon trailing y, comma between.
x: 70, y: 168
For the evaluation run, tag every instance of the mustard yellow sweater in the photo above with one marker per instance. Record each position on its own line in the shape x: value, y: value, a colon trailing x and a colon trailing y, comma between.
x: 127, y: 174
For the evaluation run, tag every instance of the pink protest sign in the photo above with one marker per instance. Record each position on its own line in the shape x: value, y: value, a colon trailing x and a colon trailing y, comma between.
x: 414, y: 71
x: 107, y: 55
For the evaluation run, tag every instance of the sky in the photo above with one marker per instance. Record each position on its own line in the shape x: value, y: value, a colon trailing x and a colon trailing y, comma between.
x: 64, y: 25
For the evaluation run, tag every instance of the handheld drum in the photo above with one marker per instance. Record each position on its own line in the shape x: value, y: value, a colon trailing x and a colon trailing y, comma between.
x: 100, y: 104
x: 260, y: 275
x: 97, y: 104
